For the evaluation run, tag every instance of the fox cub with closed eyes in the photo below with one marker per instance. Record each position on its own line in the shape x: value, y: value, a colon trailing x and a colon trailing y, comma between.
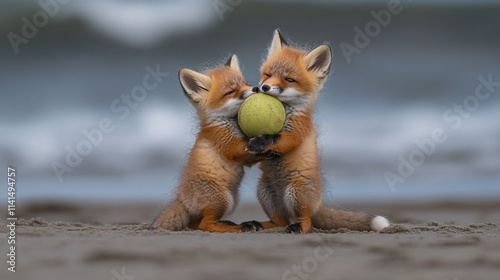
x: 208, y: 188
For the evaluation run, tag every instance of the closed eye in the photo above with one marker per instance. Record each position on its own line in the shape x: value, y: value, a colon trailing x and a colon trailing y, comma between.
x: 268, y: 75
x: 229, y: 92
x: 290, y: 80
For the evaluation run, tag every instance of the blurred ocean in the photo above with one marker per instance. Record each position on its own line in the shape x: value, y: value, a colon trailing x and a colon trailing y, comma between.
x: 394, y: 92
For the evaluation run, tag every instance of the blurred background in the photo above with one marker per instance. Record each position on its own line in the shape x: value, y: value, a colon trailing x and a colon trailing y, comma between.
x: 65, y: 67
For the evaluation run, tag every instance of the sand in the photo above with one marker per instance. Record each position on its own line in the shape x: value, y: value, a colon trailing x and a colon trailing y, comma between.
x: 453, y: 240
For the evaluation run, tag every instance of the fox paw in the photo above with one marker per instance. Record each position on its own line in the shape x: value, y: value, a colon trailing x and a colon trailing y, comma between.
x: 294, y: 228
x: 260, y: 143
x: 251, y: 226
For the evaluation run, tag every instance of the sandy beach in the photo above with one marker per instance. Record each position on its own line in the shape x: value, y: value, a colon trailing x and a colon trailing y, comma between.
x: 440, y: 240
x: 92, y: 110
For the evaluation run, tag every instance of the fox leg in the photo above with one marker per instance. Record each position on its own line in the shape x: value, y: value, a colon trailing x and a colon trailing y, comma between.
x: 301, y: 213
x: 172, y: 217
x: 302, y: 219
x: 272, y: 203
x: 302, y: 201
x: 281, y: 207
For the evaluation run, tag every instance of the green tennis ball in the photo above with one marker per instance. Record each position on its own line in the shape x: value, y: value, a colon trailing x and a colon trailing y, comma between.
x: 261, y: 114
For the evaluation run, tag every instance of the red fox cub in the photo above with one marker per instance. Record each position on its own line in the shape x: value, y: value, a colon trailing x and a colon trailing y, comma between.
x: 290, y: 186
x: 209, y: 185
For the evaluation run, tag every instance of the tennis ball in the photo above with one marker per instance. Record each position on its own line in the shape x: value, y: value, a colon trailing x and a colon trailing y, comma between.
x: 261, y: 114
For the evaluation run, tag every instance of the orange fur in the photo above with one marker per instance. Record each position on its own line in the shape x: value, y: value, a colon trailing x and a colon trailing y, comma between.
x: 290, y: 187
x: 209, y: 185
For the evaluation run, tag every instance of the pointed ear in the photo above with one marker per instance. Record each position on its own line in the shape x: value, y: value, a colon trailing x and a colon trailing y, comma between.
x: 319, y: 60
x: 233, y: 62
x: 194, y: 84
x: 277, y: 44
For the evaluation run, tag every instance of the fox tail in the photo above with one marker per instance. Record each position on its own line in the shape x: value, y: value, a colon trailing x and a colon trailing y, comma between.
x: 329, y: 218
x: 173, y: 217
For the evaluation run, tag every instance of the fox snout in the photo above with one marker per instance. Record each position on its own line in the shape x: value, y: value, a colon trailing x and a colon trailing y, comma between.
x: 265, y: 88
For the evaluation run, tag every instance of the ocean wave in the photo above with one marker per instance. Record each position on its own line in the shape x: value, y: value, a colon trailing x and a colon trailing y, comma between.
x: 134, y: 23
x: 161, y: 136
x: 145, y: 23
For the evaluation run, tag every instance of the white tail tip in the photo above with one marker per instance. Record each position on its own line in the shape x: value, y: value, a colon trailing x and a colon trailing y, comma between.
x: 379, y: 223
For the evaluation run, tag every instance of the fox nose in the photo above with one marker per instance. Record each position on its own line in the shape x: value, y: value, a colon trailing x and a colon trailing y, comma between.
x: 255, y: 89
x: 266, y: 88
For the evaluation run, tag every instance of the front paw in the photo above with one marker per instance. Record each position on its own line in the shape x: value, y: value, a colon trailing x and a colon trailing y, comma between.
x: 251, y: 226
x: 259, y: 144
x: 294, y: 228
x: 256, y: 145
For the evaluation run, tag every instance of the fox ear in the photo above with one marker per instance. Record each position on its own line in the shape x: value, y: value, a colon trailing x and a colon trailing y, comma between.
x: 278, y: 43
x: 319, y: 60
x: 233, y: 62
x: 194, y: 84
